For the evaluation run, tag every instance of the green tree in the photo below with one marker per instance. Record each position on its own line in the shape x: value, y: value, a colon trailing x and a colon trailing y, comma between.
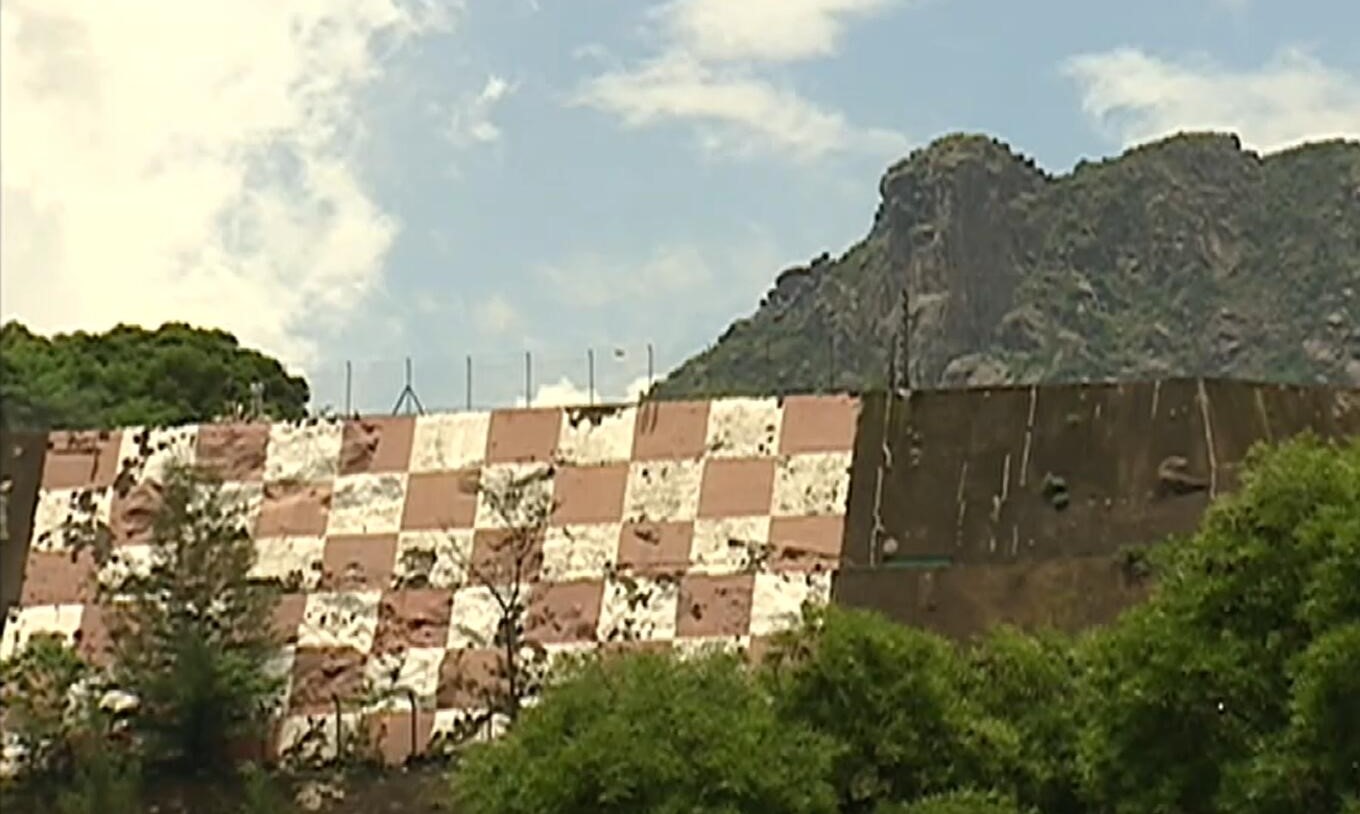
x: 1198, y: 697
x: 131, y: 376
x: 194, y: 637
x: 44, y: 709
x: 894, y: 698
x: 1030, y: 681
x: 959, y: 802
x: 650, y: 734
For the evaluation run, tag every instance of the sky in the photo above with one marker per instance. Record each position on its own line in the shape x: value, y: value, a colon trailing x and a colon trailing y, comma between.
x: 346, y: 184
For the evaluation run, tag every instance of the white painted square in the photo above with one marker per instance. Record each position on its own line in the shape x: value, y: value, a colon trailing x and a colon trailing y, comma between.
x: 164, y: 446
x: 476, y: 614
x: 693, y: 646
x: 56, y: 507
x: 306, y: 452
x: 449, y: 441
x: 580, y: 551
x: 243, y: 498
x: 295, y: 744
x: 282, y: 557
x: 589, y: 443
x: 727, y: 545
x: 452, y: 551
x: 25, y: 623
x: 662, y: 491
x: 367, y: 504
x: 744, y: 428
x: 816, y: 484
x: 638, y: 609
x: 127, y: 562
x: 446, y: 722
x: 778, y: 597
x: 280, y: 666
x: 392, y: 674
x: 533, y: 509
x: 340, y: 619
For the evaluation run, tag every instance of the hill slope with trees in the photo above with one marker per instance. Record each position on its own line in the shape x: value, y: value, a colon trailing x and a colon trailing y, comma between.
x: 1188, y: 256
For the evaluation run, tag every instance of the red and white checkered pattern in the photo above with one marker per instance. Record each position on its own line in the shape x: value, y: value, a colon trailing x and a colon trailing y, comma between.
x: 658, y: 491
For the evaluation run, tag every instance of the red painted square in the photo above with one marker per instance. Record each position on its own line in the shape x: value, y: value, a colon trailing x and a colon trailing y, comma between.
x: 818, y: 424
x: 93, y: 641
x: 294, y: 509
x: 806, y: 543
x: 562, y: 612
x: 504, y: 556
x: 469, y: 678
x: 440, y: 500
x: 86, y: 458
x: 670, y: 429
x: 59, y: 578
x: 378, y: 444
x: 362, y: 562
x: 589, y: 494
x: 714, y: 605
x: 392, y: 734
x: 288, y: 615
x: 655, y: 548
x: 132, y: 514
x: 737, y: 487
x: 523, y: 435
x: 413, y: 618
x: 236, y: 452
x: 322, y: 674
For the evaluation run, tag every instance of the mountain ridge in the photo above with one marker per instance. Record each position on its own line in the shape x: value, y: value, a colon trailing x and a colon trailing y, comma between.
x: 1185, y: 256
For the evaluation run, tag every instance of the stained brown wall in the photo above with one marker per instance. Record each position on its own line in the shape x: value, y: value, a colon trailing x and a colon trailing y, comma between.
x: 963, y: 496
x: 21, y: 470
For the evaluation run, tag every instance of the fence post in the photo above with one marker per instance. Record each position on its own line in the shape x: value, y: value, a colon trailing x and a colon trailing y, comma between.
x: 415, y: 720
x: 349, y: 387
x: 590, y: 374
x: 528, y: 379
x: 651, y: 367
x: 468, y: 382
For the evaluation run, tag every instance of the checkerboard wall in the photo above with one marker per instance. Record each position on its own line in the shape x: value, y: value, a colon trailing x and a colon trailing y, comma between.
x: 675, y: 494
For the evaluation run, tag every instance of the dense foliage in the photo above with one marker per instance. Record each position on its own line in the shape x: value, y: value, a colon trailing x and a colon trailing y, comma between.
x: 646, y: 734
x: 1188, y: 256
x: 131, y: 376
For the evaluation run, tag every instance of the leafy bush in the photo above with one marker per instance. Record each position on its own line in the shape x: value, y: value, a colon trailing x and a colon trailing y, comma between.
x: 958, y: 802
x: 193, y: 640
x: 650, y: 734
x: 893, y: 698
x: 46, y: 713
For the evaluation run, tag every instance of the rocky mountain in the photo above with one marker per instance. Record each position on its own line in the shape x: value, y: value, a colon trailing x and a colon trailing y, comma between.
x: 1187, y: 256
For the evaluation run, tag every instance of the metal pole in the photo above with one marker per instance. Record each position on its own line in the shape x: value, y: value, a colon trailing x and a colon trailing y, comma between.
x: 651, y: 366
x: 468, y: 382
x: 590, y: 373
x: 349, y: 386
x: 528, y: 380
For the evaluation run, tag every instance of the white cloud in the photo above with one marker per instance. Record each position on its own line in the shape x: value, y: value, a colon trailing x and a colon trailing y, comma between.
x: 708, y: 73
x: 743, y: 113
x: 1292, y: 99
x: 769, y: 30
x: 566, y: 393
x: 193, y: 161
x: 496, y: 315
x: 471, y: 124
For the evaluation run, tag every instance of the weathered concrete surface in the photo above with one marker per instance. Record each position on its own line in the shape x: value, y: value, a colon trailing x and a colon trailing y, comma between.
x: 993, y: 478
x: 21, y: 474
x: 1069, y: 593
